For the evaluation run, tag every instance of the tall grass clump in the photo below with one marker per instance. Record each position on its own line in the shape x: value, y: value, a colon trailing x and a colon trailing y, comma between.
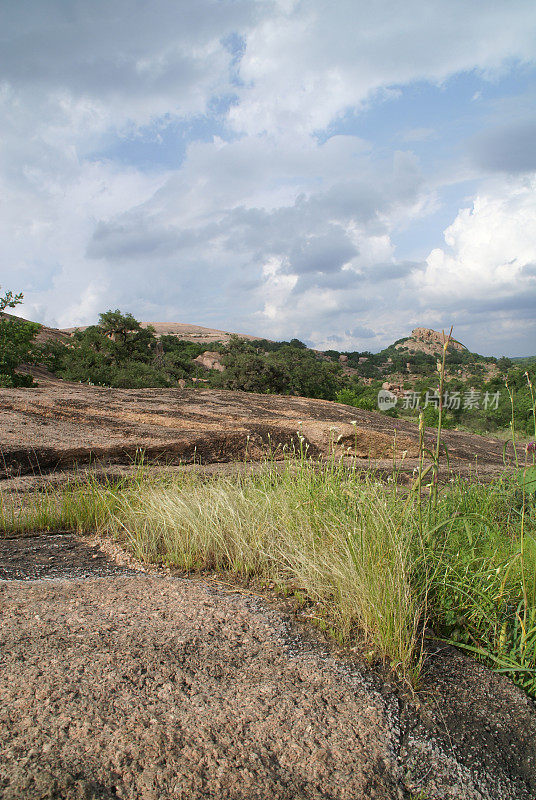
x: 479, y: 558
x: 338, y: 541
x: 84, y: 504
x: 482, y: 576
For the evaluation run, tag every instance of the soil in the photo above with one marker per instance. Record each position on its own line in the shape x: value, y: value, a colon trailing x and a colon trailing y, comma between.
x: 122, y: 683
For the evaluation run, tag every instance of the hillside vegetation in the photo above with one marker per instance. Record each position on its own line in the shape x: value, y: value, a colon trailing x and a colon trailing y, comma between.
x: 480, y: 391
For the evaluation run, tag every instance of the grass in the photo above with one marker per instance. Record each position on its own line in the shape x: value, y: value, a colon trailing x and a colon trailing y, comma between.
x: 376, y: 565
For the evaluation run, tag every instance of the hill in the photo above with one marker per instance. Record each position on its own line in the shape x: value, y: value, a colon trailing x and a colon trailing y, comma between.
x: 415, y: 356
x: 426, y: 340
x: 196, y: 334
x: 44, y: 334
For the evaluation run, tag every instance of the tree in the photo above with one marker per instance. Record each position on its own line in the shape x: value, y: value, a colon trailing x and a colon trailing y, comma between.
x: 9, y: 300
x: 504, y: 364
x: 16, y: 343
x: 130, y: 340
x: 118, y: 352
x: 118, y: 325
x: 288, y: 370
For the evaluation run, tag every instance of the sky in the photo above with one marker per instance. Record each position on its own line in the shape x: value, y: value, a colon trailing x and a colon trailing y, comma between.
x: 338, y: 171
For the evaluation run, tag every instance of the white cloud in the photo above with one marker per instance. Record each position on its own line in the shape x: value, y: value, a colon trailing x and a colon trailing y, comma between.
x: 303, y: 68
x: 485, y: 276
x: 264, y: 228
x: 488, y: 246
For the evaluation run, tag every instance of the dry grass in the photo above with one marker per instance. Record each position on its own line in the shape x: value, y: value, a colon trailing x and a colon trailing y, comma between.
x: 338, y: 540
x: 375, y: 564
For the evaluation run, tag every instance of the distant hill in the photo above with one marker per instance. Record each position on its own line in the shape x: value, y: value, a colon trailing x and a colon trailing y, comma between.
x: 190, y: 333
x: 426, y: 340
x: 45, y: 334
x: 409, y: 357
x: 416, y: 356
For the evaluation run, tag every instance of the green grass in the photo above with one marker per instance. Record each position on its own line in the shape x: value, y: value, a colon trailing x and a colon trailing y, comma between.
x: 375, y: 565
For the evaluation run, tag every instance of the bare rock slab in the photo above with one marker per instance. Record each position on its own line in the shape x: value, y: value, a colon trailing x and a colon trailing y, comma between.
x: 58, y: 425
x: 150, y: 687
x: 144, y: 687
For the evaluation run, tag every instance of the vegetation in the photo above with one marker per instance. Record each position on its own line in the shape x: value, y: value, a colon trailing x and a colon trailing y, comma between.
x: 284, y: 369
x: 479, y: 406
x: 16, y: 343
x: 119, y: 352
x: 372, y: 566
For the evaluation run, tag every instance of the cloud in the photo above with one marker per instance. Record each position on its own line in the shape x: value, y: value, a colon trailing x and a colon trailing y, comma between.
x: 509, y: 148
x: 304, y: 67
x: 487, y: 245
x: 284, y: 264
x: 529, y: 270
x: 271, y: 225
x: 483, y: 277
x: 325, y: 253
x: 393, y: 271
x: 131, y: 61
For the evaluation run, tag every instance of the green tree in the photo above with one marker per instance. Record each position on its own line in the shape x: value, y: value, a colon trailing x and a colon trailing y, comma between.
x: 129, y: 339
x: 504, y: 364
x: 118, y: 325
x: 17, y: 345
x: 117, y: 352
x: 290, y: 369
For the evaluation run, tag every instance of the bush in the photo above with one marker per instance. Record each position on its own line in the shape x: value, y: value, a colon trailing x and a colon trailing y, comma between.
x: 137, y: 375
x: 17, y: 345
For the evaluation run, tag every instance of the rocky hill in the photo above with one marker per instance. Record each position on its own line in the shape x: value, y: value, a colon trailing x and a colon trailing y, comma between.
x: 45, y: 334
x: 196, y: 334
x: 426, y: 340
x: 190, y: 333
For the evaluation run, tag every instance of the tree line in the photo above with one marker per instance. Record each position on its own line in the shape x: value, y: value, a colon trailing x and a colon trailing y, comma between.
x: 118, y: 352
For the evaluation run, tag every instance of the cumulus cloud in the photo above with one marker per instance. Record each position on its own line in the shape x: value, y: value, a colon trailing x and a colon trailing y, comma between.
x: 508, y: 148
x: 487, y: 245
x: 485, y: 266
x: 274, y: 226
x: 304, y: 67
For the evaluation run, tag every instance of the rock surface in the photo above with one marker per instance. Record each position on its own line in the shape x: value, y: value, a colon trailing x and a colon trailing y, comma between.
x: 426, y: 340
x: 152, y: 687
x: 145, y: 686
x: 58, y: 425
x: 182, y: 330
x: 210, y: 360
